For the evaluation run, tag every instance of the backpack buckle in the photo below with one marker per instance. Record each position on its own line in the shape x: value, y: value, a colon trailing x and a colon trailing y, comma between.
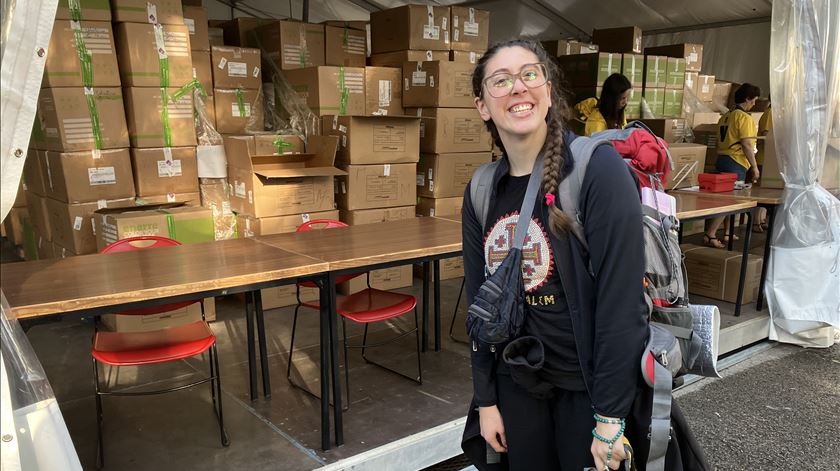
x: 670, y: 433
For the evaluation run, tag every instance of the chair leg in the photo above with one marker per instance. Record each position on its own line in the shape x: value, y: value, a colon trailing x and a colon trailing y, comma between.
x: 218, y: 381
x: 455, y: 314
x: 346, y: 365
x: 292, y: 344
x: 364, y: 346
x: 100, y: 451
x: 212, y: 375
x: 417, y: 336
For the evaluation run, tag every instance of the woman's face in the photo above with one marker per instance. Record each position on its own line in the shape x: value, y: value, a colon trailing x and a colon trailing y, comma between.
x: 523, y: 111
x: 622, y: 102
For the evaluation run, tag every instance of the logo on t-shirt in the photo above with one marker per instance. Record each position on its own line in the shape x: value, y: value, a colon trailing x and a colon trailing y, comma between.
x: 537, y: 261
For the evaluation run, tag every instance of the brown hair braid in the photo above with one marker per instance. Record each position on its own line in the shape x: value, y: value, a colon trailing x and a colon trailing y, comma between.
x: 554, y: 149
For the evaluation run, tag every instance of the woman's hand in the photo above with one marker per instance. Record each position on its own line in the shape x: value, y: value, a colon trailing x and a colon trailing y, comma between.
x: 492, y: 428
x: 599, y: 449
x: 755, y: 173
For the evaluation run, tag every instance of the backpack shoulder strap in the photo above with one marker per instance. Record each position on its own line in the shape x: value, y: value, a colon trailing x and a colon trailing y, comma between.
x: 480, y: 189
x: 568, y: 190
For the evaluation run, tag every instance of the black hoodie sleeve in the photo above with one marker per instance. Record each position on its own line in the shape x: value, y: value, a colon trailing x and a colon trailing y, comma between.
x: 482, y: 359
x: 613, y: 226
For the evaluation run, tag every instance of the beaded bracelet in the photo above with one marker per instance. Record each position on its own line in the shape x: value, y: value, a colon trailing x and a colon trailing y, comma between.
x: 609, y: 442
x: 603, y: 420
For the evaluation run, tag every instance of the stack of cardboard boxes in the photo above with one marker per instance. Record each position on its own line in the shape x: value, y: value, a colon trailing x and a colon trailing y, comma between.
x: 17, y: 228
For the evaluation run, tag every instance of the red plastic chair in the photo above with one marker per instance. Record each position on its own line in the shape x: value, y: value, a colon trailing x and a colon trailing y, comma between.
x: 366, y: 306
x: 145, y: 348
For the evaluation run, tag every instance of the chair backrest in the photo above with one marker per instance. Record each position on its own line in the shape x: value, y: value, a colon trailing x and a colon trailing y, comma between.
x: 132, y: 244
x: 316, y: 224
x: 139, y: 243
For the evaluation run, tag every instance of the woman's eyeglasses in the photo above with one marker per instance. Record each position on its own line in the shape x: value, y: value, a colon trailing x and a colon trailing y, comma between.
x: 501, y: 84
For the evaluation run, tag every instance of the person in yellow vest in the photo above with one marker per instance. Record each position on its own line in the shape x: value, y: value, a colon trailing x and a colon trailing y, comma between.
x: 608, y: 111
x: 736, y: 149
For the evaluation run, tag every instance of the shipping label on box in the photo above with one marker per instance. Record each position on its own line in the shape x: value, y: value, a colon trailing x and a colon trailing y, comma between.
x: 185, y: 224
x: 140, y: 48
x: 293, y: 44
x: 95, y: 39
x: 152, y: 118
x: 384, y: 279
x: 689, y: 160
x: 72, y: 225
x: 329, y: 90
x: 165, y: 12
x: 446, y: 130
x: 418, y: 27
x: 449, y: 207
x: 63, y: 120
x: 383, y: 91
x: 376, y: 186
x: 87, y: 176
x: 470, y: 29
x: 168, y: 170
x: 91, y: 10
x: 447, y: 175
x: 398, y: 58
x: 238, y: 111
x: 370, y: 216
x: 345, y: 46
x: 437, y: 84
x: 195, y: 18
x: 248, y: 226
x: 655, y: 71
x: 675, y: 74
x: 202, y: 70
x: 236, y: 67
x: 374, y: 139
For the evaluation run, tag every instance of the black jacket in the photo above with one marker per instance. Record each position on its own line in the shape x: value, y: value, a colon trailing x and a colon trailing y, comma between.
x: 608, y: 311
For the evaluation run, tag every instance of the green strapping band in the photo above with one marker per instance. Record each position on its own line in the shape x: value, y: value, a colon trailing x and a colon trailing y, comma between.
x: 93, y: 111
x: 75, y: 10
x: 240, y: 102
x: 344, y: 91
x: 193, y: 84
x: 281, y: 144
x: 164, y: 118
x: 170, y: 226
x: 346, y: 39
x: 86, y: 66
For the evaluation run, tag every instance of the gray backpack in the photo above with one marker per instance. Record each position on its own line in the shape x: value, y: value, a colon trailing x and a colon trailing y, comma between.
x: 672, y: 346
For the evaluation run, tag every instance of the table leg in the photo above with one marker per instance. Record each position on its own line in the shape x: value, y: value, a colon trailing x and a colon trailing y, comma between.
x: 744, y: 259
x: 252, y: 360
x: 325, y: 363
x: 437, y: 304
x: 425, y: 337
x: 731, y: 244
x: 771, y: 216
x: 336, y: 382
x: 261, y: 339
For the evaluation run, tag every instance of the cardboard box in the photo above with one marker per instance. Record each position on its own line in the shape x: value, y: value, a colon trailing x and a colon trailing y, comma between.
x: 470, y: 29
x: 240, y: 31
x: 705, y: 88
x: 45, y: 249
x: 187, y: 225
x: 447, y: 175
x: 371, y: 216
x: 633, y: 110
x: 37, y: 207
x: 437, y: 84
x: 357, y: 24
x: 144, y: 113
x: 72, y: 226
x: 236, y: 67
x: 383, y: 91
x: 626, y: 39
x: 418, y: 27
x: 254, y: 227
x: 282, y: 296
x: 272, y: 144
x: 329, y: 90
x: 165, y: 12
x: 567, y: 47
x: 63, y: 121
x: 655, y: 71
x: 152, y: 322
x: 675, y: 74
x: 345, y: 46
x: 265, y: 186
x: 374, y: 139
x: 377, y: 186
x: 233, y: 117
x: 91, y: 10
x: 633, y: 67
x: 590, y: 70
x: 20, y: 198
x: 691, y: 82
x: 449, y: 268
x: 701, y: 118
x: 445, y: 130
x: 195, y: 18
x: 714, y: 273
x: 673, y: 107
x: 161, y: 171
x: 216, y: 36
x: 209, y: 109
x: 34, y: 175
x: 384, y: 279
x: 440, y: 206
x: 669, y: 129
x: 689, y: 160
x: 467, y: 57
x: 63, y: 67
x: 707, y: 135
x: 692, y: 53
x: 202, y: 70
x: 721, y: 91
x: 188, y: 199
x: 399, y: 58
x: 137, y: 52
x: 13, y: 225
x: 655, y: 98
x: 771, y: 176
x: 88, y: 176
x: 293, y: 44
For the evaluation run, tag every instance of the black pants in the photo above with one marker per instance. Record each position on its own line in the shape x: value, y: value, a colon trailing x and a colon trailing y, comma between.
x: 546, y: 434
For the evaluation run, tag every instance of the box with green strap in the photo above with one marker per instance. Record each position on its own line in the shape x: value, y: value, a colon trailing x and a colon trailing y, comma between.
x: 186, y: 224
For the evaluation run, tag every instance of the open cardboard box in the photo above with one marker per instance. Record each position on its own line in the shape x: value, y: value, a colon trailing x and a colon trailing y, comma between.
x: 277, y: 185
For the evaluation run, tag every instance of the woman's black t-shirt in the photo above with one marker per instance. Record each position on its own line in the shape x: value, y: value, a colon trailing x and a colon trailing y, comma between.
x: 547, y: 313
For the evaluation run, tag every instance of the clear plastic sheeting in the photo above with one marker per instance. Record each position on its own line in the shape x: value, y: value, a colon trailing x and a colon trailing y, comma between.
x: 803, y: 280
x: 37, y: 428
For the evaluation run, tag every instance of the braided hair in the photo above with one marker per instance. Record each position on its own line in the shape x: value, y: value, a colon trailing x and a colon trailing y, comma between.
x: 554, y: 149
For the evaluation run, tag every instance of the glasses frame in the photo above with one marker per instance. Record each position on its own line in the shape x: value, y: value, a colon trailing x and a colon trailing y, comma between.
x: 517, y: 76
